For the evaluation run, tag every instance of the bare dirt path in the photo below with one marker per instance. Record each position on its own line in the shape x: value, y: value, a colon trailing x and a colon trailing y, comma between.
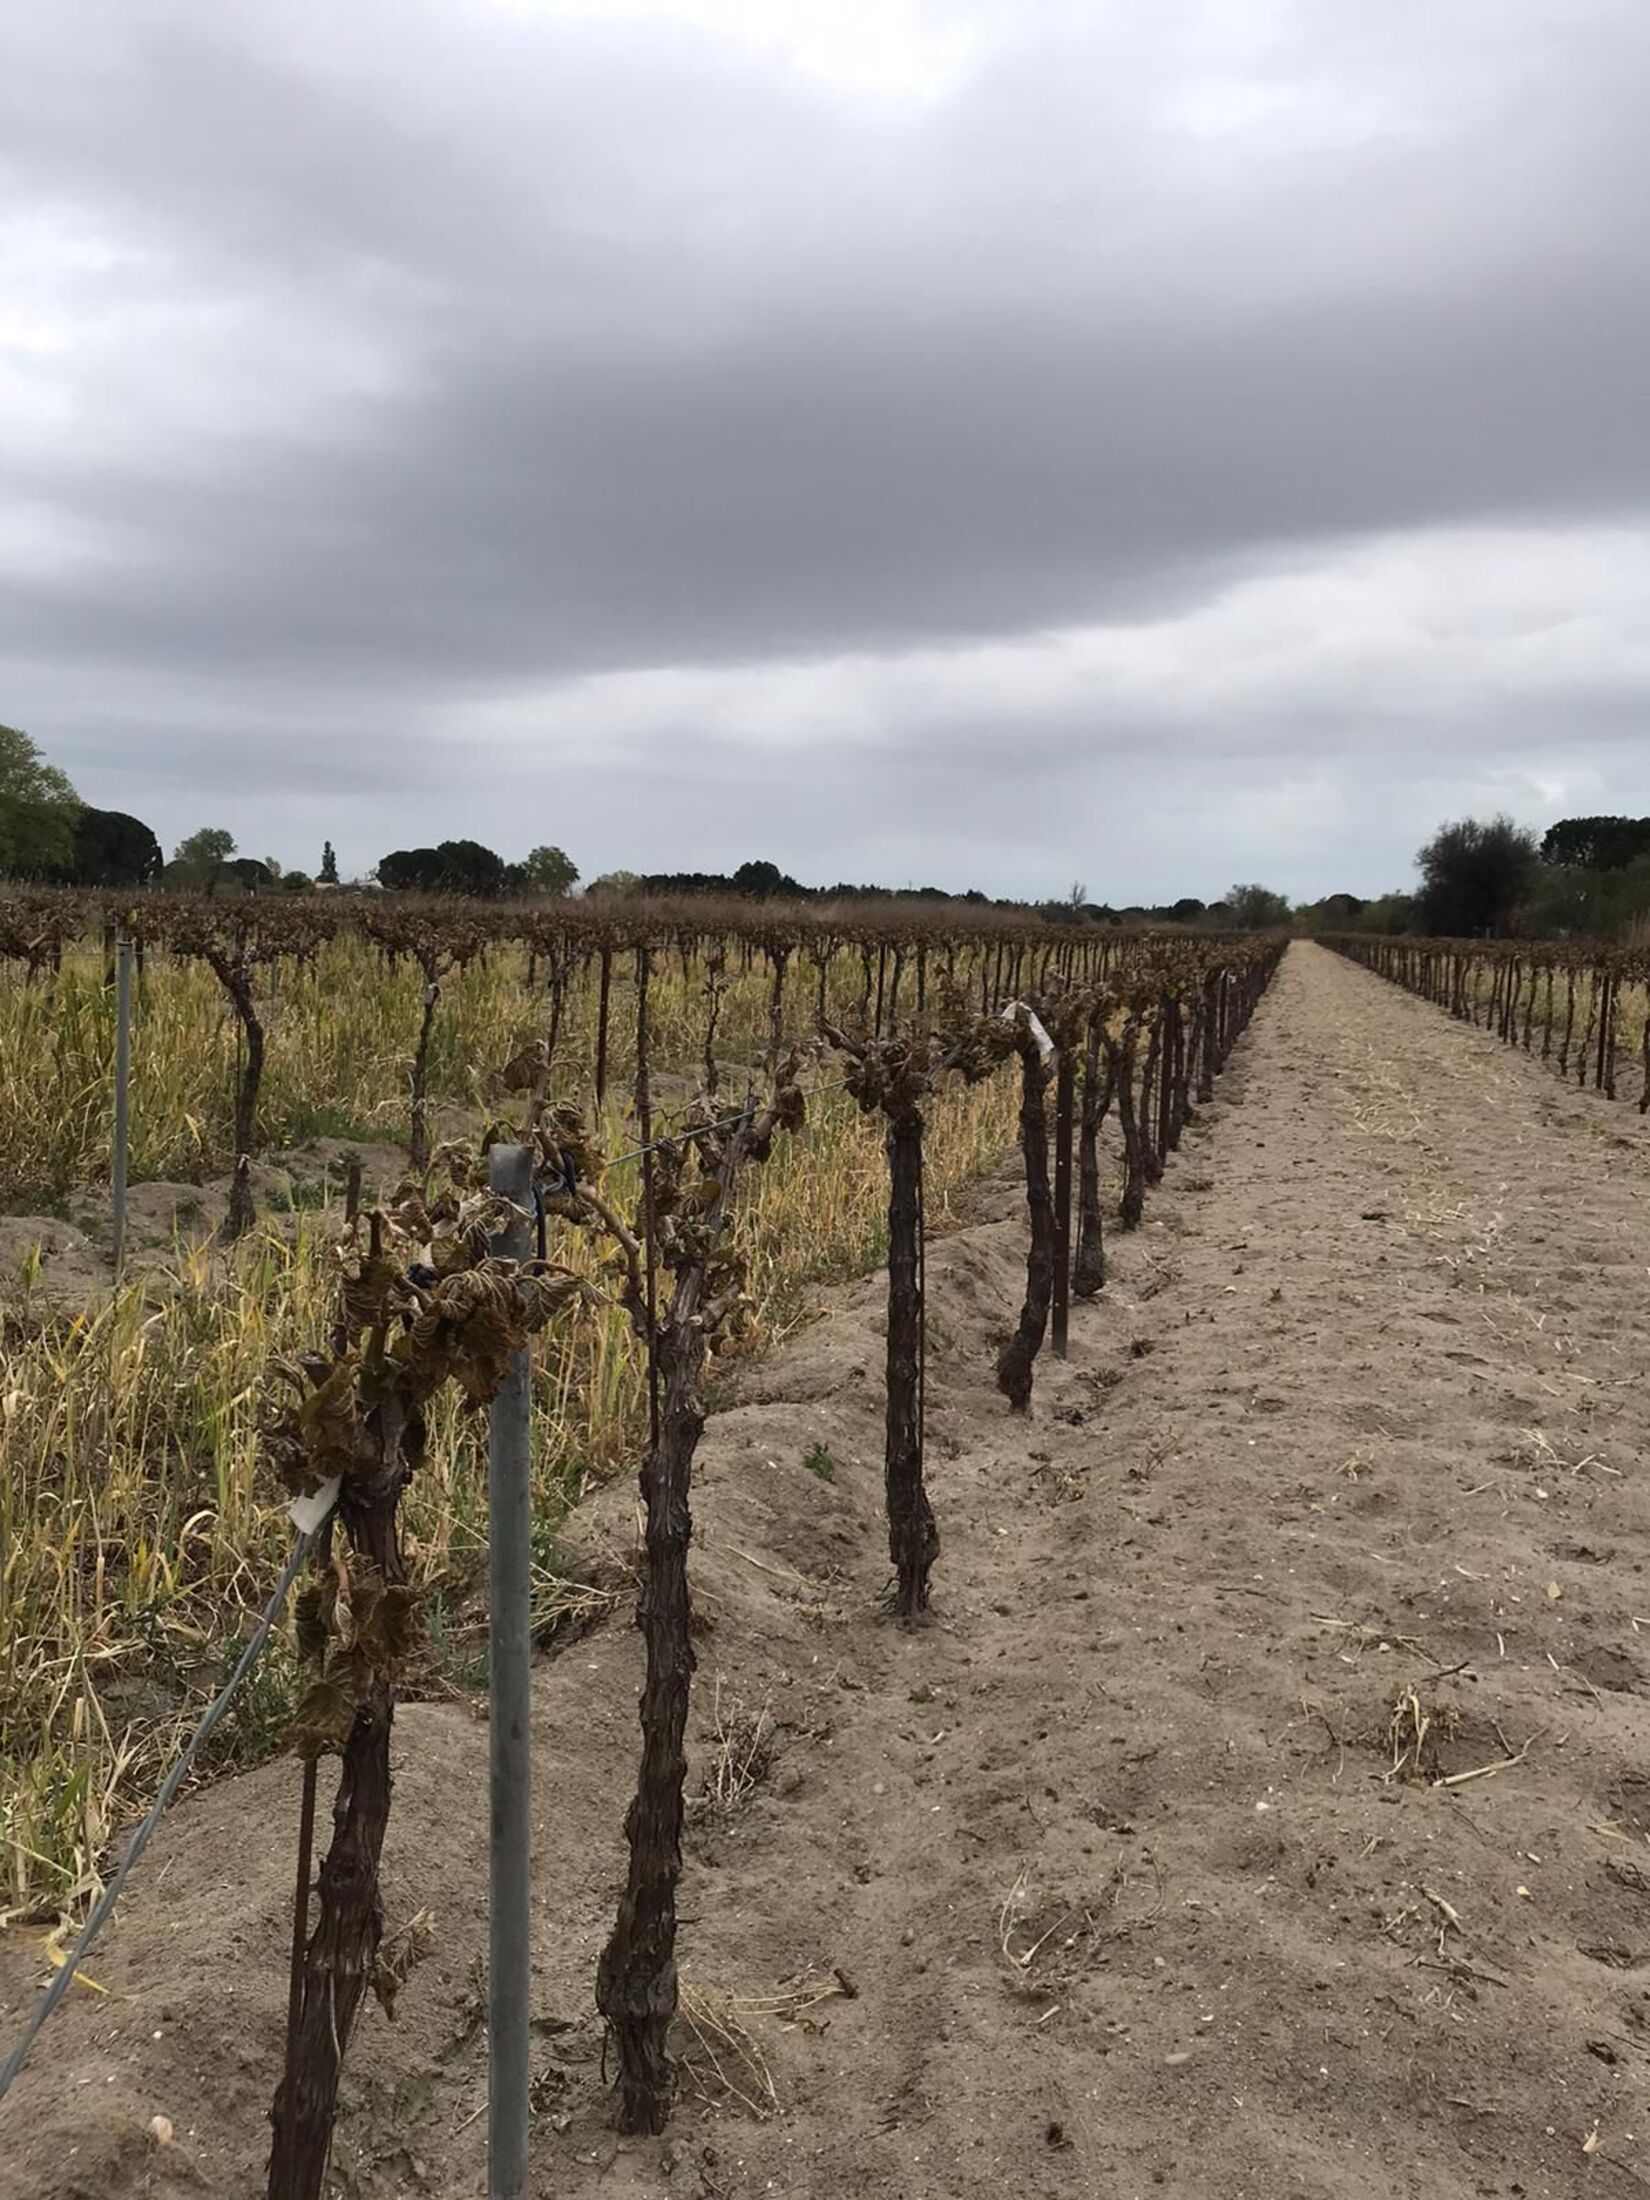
x: 1346, y: 1472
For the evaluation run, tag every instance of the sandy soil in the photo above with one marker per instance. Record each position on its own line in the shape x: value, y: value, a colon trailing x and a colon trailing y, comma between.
x: 1113, y: 1854
x: 71, y: 1256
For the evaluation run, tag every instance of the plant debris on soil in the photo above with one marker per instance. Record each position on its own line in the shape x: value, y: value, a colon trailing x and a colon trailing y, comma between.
x: 1266, y: 1819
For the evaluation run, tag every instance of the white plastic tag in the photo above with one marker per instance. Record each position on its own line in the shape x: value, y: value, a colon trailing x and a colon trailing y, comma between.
x: 1034, y: 1024
x: 309, y: 1512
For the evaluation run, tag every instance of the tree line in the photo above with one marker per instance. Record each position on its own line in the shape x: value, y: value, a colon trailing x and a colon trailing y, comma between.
x: 1489, y: 878
x: 50, y: 837
x: 1478, y: 877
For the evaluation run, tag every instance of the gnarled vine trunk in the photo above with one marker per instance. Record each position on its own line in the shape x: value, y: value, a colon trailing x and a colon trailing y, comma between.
x: 1019, y: 1354
x: 636, y: 1984
x: 1088, y: 1272
x: 1065, y: 1108
x: 242, y: 1211
x: 343, y: 1949
x: 1133, y: 1203
x: 913, y: 1537
x: 1151, y: 1159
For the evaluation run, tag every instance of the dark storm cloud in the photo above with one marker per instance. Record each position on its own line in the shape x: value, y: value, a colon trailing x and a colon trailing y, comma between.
x: 381, y: 372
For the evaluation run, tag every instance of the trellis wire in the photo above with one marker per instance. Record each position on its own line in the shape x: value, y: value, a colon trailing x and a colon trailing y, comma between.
x: 104, y: 1906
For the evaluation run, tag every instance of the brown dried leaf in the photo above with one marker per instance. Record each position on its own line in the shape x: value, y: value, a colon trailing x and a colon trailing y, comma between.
x: 399, y: 1956
x: 367, y: 1293
x: 312, y: 1612
x: 325, y: 1713
x: 327, y: 1421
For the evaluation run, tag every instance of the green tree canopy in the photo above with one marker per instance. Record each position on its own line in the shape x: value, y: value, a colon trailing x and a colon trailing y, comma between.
x: 410, y: 871
x: 1256, y: 908
x: 38, y: 808
x: 1597, y: 843
x: 112, y: 849
x: 1473, y: 876
x: 549, y: 871
x: 453, y: 867
x: 197, y: 860
x: 246, y: 872
x: 210, y: 845
x: 328, y: 874
x: 762, y: 881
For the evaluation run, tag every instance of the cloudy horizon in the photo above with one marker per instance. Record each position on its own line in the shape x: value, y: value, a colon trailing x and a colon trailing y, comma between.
x: 991, y: 444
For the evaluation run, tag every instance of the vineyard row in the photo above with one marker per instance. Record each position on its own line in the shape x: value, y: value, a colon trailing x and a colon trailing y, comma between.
x: 427, y: 1304
x: 680, y: 1282
x: 1582, y: 1005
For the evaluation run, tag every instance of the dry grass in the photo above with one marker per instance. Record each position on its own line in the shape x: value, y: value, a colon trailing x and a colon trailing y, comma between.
x: 1414, y: 1731
x: 742, y: 1756
x: 1049, y: 1943
x: 135, y: 1535
x: 1381, y: 1105
x: 1633, y: 1008
x: 720, y: 2059
x: 341, y: 1032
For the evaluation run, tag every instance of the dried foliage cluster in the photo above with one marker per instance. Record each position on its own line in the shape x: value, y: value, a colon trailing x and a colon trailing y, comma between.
x: 423, y: 1301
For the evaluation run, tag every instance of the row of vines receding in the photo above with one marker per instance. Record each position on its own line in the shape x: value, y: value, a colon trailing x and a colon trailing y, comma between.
x: 1581, y: 1005
x: 728, y: 1039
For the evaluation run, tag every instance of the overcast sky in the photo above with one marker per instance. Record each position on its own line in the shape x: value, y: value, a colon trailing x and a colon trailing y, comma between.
x: 994, y: 442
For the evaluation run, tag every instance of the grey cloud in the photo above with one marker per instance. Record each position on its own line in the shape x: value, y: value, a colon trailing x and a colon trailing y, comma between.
x: 471, y: 351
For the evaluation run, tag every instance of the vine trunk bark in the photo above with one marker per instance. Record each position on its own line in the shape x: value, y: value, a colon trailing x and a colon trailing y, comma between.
x: 1018, y: 1356
x: 913, y: 1537
x: 343, y: 1948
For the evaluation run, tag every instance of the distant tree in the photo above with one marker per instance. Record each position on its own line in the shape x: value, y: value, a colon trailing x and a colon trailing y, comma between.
x: 295, y: 882
x: 454, y: 867
x: 1596, y: 843
x: 1057, y: 912
x: 1077, y: 894
x: 328, y: 875
x: 1187, y: 910
x: 685, y: 882
x: 469, y: 868
x: 112, y: 849
x: 1474, y: 875
x: 1334, y: 913
x: 245, y: 873
x: 38, y: 808
x: 1256, y: 908
x: 614, y: 882
x: 210, y: 845
x: 1571, y: 898
x: 197, y: 860
x: 411, y: 871
x: 763, y: 881
x: 1393, y: 913
x: 549, y: 871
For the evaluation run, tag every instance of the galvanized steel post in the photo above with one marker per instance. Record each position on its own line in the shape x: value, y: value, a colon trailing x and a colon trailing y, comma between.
x: 509, y: 1504
x: 123, y: 1091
